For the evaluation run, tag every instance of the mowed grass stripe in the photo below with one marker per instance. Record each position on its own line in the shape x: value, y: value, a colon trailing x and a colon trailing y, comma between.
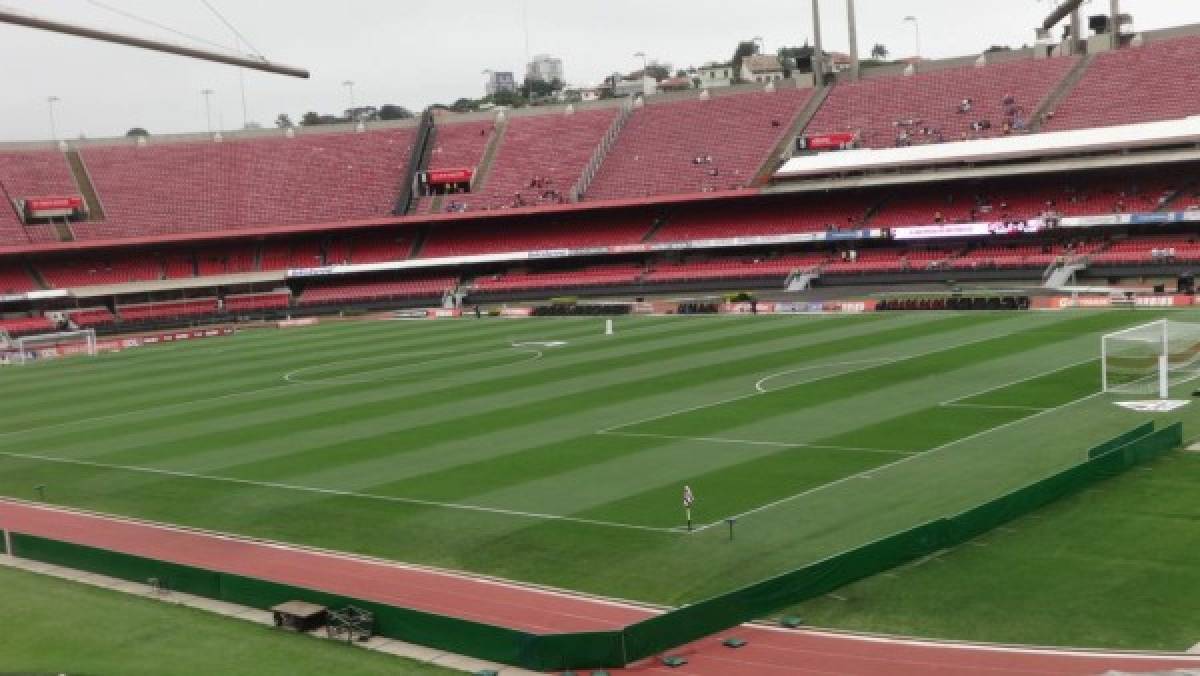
x: 355, y: 406
x: 712, y: 420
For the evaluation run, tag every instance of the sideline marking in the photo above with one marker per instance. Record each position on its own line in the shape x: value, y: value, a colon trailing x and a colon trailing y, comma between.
x: 749, y: 442
x: 336, y: 492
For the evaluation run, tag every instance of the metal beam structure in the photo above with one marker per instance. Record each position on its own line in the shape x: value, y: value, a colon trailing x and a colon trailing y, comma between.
x: 243, y: 61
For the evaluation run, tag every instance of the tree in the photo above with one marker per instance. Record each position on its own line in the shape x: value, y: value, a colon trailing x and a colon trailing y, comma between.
x: 743, y: 50
x: 284, y: 121
x: 879, y: 51
x: 536, y: 88
x: 362, y: 113
x: 310, y: 119
x: 997, y: 48
x: 464, y: 105
x: 389, y: 111
x: 798, y: 59
x: 137, y: 131
x: 658, y: 71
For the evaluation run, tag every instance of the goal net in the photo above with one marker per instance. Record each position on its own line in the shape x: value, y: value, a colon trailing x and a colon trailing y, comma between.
x: 1150, y: 358
x: 48, y: 346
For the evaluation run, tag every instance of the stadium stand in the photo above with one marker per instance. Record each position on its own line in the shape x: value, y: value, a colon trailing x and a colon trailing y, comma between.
x: 24, y: 174
x: 175, y: 309
x: 234, y: 259
x: 1137, y: 84
x: 571, y: 232
x: 24, y: 326
x: 166, y: 188
x: 253, y: 302
x: 114, y: 269
x: 1150, y: 250
x: 697, y: 145
x: 598, y: 275
x: 14, y: 279
x: 540, y: 158
x: 925, y: 108
x: 457, y: 145
x: 334, y: 292
x: 796, y: 215
x: 284, y: 255
x: 378, y: 247
x: 90, y: 318
x: 732, y: 268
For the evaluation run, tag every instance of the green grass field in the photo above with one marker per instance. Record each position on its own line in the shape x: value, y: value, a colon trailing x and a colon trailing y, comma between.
x: 54, y: 626
x: 440, y: 443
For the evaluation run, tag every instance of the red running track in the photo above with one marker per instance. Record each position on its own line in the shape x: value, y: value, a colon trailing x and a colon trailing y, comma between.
x: 769, y: 651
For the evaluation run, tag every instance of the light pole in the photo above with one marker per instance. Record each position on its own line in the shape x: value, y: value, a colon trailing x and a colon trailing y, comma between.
x: 349, y: 85
x: 50, y: 101
x: 207, y: 108
x: 645, y: 63
x: 916, y: 33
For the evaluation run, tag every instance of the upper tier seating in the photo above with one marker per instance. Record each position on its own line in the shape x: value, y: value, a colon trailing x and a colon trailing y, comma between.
x: 882, y: 110
x: 457, y: 145
x: 72, y: 272
x: 571, y: 232
x: 711, y: 221
x: 331, y: 292
x: 540, y: 158
x: 24, y: 326
x: 92, y: 317
x: 173, y: 309
x: 1148, y: 250
x: 182, y: 187
x: 1143, y: 84
x: 32, y: 173
x: 657, y: 150
x: 249, y: 302
x: 597, y: 275
x: 14, y: 279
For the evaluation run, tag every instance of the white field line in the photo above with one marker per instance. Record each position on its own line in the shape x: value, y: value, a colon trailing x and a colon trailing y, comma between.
x: 895, y: 463
x: 868, y: 365
x: 761, y: 384
x: 336, y: 492
x: 750, y: 442
x: 1001, y: 386
x: 995, y: 406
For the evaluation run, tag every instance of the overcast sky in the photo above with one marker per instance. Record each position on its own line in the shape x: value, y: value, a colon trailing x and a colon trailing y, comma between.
x: 417, y: 53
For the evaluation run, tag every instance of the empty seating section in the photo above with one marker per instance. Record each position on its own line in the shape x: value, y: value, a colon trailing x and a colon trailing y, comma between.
x: 24, y: 326
x: 379, y: 247
x: 598, y: 275
x: 92, y: 270
x: 736, y: 220
x: 183, y: 187
x: 1143, y: 84
x: 731, y: 136
x: 92, y: 317
x: 285, y: 255
x: 14, y: 279
x: 732, y: 268
x: 178, y: 265
x: 878, y: 261
x: 457, y: 145
x: 540, y: 159
x: 883, y: 110
x: 1148, y: 250
x: 571, y: 232
x: 250, y: 302
x: 175, y: 309
x: 231, y: 260
x: 24, y: 174
x: 333, y: 292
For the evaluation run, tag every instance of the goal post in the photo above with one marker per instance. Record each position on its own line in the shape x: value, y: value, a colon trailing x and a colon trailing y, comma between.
x: 1150, y: 358
x: 51, y: 345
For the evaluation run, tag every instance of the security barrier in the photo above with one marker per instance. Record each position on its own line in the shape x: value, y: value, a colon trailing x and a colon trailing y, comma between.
x: 654, y: 635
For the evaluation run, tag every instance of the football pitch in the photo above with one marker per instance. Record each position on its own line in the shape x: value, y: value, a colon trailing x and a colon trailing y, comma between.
x: 544, y: 451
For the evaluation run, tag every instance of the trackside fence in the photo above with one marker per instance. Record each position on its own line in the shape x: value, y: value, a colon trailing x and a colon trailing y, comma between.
x: 548, y: 652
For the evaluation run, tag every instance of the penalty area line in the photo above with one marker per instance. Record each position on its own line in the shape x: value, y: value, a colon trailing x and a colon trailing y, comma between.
x: 870, y: 473
x: 344, y: 493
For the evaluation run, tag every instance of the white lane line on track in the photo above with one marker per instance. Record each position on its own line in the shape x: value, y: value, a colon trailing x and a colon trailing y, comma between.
x: 336, y: 492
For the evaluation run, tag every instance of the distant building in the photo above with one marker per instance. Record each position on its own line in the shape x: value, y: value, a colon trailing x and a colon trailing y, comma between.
x: 715, y: 75
x: 839, y: 61
x: 762, y: 68
x: 500, y: 81
x: 675, y: 84
x: 545, y: 68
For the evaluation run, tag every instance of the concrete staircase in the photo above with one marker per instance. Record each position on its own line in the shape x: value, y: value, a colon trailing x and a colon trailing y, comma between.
x: 801, y: 280
x: 489, y: 156
x: 593, y: 166
x: 87, y: 190
x: 1060, y: 92
x: 783, y: 150
x: 1059, y: 275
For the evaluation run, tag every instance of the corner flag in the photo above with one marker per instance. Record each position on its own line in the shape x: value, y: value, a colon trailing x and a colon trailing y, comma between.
x: 688, y: 499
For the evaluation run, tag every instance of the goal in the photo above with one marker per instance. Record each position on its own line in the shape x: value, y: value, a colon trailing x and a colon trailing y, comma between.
x: 47, y: 346
x: 1150, y: 358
